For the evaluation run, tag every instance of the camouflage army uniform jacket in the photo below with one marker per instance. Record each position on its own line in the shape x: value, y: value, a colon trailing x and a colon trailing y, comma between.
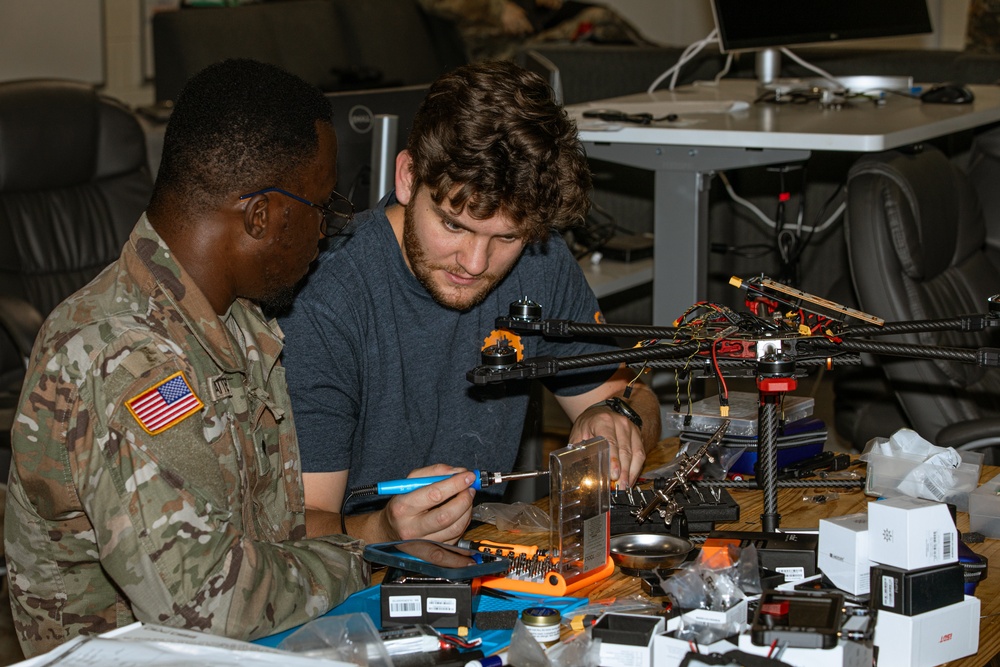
x: 196, y: 520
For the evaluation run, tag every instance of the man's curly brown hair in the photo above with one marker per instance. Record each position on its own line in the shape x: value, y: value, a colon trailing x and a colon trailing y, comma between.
x: 491, y: 139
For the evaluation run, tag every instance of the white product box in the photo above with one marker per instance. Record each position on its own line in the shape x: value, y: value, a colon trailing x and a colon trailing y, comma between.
x: 930, y: 638
x: 844, y: 654
x: 843, y: 552
x: 627, y: 639
x: 735, y: 616
x: 669, y: 651
x: 911, y: 533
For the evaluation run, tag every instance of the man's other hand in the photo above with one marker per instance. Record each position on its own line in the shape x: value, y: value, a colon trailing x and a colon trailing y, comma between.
x: 627, y: 451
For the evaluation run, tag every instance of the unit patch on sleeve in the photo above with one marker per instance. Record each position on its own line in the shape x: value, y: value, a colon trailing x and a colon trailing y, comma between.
x: 165, y: 404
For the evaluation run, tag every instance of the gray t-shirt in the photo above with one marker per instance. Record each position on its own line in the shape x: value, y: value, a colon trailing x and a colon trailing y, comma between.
x: 377, y: 369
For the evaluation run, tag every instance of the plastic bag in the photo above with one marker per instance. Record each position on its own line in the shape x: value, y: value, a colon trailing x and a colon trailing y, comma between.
x: 525, y: 651
x: 349, y: 638
x: 513, y: 518
x: 699, y: 585
x: 580, y: 650
x: 908, y: 464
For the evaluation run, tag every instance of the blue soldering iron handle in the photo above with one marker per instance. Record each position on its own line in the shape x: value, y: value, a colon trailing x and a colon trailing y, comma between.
x: 400, y: 486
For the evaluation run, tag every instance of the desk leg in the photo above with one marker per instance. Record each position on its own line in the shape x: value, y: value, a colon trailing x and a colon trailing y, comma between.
x: 680, y: 218
x: 680, y: 210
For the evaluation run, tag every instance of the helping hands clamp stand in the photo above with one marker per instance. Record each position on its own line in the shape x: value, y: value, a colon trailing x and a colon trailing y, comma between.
x: 786, y: 332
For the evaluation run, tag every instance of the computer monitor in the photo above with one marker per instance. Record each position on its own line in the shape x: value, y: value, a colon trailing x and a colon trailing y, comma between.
x: 360, y: 116
x: 545, y: 68
x: 768, y: 25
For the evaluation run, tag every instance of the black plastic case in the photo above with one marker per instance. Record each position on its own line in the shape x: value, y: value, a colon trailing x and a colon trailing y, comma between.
x: 813, y: 620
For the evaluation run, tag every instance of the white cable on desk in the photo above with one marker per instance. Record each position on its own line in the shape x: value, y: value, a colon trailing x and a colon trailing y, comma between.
x: 809, y: 66
x: 689, y: 52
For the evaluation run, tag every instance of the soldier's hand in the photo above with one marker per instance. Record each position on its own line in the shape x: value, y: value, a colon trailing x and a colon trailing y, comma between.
x: 440, y: 511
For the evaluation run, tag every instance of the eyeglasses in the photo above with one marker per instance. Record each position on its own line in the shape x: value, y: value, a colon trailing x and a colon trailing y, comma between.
x: 337, y: 211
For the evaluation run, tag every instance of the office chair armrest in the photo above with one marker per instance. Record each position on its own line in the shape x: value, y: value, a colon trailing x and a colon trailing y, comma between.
x: 21, y: 322
x: 972, y: 434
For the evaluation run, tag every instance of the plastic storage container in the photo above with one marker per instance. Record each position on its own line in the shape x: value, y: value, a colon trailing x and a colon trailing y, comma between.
x: 984, y: 509
x: 886, y: 474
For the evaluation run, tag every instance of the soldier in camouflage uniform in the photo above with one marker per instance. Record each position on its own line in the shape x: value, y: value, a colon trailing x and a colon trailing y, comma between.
x: 498, y: 29
x: 156, y: 472
x: 983, y: 31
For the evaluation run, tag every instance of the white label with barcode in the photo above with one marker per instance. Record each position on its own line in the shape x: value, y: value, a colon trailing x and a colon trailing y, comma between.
x: 888, y: 591
x: 441, y: 606
x: 792, y: 573
x: 404, y: 606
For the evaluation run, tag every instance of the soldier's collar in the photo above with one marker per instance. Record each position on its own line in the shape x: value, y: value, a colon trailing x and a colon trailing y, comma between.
x: 184, y: 295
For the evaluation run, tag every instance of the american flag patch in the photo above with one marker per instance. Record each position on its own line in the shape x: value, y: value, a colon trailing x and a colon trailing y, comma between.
x: 165, y: 404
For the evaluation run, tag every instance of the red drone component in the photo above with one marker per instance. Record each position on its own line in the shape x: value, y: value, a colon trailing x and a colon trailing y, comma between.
x: 775, y: 608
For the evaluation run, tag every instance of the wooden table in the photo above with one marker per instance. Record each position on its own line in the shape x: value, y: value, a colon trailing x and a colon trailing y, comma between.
x: 796, y: 514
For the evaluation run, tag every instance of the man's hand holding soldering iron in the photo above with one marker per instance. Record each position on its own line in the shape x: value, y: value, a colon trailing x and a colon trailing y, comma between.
x: 435, y: 502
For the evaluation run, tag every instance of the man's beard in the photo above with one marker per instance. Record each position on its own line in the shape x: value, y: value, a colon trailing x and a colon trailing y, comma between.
x: 458, y: 298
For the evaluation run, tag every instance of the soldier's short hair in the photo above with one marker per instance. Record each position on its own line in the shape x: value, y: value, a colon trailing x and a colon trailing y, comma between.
x: 238, y: 126
x: 491, y: 139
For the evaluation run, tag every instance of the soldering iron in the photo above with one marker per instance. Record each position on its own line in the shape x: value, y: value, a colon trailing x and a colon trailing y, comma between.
x: 483, y: 479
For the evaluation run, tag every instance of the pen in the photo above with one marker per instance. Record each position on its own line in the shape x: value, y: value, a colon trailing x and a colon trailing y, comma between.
x: 400, y: 486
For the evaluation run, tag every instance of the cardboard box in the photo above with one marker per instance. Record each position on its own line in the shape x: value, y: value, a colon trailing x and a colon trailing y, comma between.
x: 843, y: 552
x: 438, y: 604
x: 912, y: 592
x: 669, y: 651
x: 911, y: 533
x: 627, y: 639
x: 844, y: 654
x: 735, y: 616
x: 930, y: 638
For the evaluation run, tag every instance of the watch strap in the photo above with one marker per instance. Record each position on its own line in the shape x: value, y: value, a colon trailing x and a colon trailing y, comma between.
x: 619, y: 405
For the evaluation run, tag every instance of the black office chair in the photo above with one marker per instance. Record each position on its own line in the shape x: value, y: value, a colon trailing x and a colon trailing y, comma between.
x: 74, y: 180
x: 984, y: 174
x: 917, y: 248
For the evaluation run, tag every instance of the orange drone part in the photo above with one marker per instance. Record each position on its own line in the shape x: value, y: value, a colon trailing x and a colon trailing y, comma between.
x: 501, y: 336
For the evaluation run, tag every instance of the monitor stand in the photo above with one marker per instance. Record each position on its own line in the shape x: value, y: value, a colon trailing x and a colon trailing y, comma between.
x: 768, y: 67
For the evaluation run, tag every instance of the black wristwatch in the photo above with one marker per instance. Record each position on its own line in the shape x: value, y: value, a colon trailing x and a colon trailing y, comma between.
x: 619, y: 405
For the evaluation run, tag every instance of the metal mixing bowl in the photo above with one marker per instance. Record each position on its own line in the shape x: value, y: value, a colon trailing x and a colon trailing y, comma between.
x: 647, y: 551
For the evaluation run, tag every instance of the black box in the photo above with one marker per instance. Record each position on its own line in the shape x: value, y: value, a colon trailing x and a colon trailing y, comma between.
x: 701, y: 513
x: 626, y: 639
x: 792, y: 554
x: 912, y: 592
x: 439, y: 604
x: 809, y: 620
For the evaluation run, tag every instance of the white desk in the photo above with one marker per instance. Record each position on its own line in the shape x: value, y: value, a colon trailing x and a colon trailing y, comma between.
x: 609, y: 277
x: 685, y: 153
